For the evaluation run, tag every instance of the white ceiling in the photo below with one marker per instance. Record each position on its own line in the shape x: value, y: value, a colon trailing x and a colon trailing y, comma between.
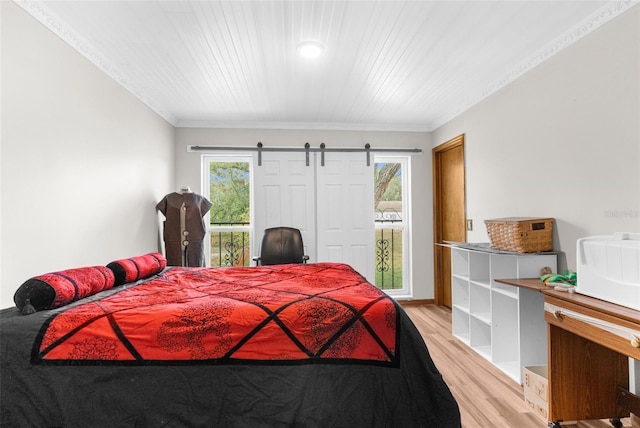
x: 388, y: 65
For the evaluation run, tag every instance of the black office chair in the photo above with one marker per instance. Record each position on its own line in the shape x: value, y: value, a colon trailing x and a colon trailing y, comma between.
x: 281, y: 245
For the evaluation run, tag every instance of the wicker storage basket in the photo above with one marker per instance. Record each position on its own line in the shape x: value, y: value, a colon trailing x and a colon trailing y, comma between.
x: 521, y: 234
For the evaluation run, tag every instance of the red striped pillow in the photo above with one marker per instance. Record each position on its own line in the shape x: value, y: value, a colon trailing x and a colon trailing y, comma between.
x: 135, y: 268
x: 56, y: 289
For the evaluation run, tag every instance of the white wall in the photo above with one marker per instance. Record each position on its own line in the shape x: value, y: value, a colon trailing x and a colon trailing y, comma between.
x: 562, y: 141
x: 188, y: 170
x: 83, y: 161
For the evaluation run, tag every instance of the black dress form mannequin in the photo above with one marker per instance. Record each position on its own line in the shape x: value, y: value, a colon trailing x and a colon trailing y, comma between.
x: 184, y: 228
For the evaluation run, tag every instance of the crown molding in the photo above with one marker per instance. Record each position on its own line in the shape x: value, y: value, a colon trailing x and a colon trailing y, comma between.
x: 315, y: 126
x: 40, y: 12
x: 603, y: 15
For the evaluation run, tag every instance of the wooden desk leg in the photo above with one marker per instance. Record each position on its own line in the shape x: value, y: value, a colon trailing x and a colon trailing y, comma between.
x: 583, y: 377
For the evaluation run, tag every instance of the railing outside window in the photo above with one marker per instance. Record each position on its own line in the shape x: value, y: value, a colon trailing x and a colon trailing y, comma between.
x: 389, y: 230
x: 230, y: 244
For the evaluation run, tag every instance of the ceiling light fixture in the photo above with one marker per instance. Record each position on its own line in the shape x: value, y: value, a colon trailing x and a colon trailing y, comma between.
x: 310, y: 49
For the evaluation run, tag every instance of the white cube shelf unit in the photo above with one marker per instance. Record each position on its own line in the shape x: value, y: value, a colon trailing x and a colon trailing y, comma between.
x: 503, y: 323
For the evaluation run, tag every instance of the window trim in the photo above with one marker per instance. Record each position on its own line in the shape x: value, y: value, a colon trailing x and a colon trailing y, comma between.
x: 406, y: 225
x: 206, y: 159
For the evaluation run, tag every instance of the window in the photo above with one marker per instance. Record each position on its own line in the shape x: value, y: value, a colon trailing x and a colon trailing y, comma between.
x: 392, y: 224
x: 227, y: 183
x: 287, y: 192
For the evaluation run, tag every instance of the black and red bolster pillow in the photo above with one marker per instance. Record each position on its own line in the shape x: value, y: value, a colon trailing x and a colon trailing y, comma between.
x: 56, y: 289
x: 135, y: 268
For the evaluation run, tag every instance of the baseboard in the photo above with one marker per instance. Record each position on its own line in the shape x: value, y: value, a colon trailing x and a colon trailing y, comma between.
x: 416, y: 302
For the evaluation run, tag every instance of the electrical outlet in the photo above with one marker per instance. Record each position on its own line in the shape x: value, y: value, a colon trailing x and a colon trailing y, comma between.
x: 469, y: 224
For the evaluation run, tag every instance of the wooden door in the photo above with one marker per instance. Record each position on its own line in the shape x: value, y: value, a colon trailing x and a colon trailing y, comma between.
x: 449, y: 211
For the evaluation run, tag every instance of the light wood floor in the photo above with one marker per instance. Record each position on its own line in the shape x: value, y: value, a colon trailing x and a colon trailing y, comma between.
x: 486, y: 396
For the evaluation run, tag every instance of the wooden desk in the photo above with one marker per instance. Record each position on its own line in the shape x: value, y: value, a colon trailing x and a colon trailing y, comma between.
x: 530, y: 283
x: 588, y: 344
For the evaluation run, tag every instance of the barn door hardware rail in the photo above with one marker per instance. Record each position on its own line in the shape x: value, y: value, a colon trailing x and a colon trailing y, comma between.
x: 306, y: 149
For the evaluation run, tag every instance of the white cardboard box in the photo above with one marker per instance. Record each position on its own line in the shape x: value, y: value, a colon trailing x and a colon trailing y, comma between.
x: 536, y: 389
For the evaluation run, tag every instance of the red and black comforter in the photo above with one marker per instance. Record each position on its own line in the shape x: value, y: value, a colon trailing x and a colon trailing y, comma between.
x: 286, y: 345
x: 295, y: 312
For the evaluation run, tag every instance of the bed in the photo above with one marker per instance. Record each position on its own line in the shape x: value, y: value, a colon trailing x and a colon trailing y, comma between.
x: 310, y: 345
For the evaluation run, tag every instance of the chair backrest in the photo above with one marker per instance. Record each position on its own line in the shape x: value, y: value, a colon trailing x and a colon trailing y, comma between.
x: 281, y: 245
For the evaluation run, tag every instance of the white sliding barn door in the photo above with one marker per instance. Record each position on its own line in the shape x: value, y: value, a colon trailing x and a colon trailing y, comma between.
x: 345, y: 215
x: 332, y: 205
x: 284, y: 195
